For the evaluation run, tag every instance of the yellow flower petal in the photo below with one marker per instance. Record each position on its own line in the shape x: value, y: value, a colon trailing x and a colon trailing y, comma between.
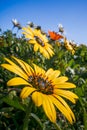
x: 65, y: 85
x: 38, y: 98
x: 62, y: 108
x: 50, y: 51
x: 50, y: 46
x: 67, y: 94
x: 38, y: 70
x: 28, y: 30
x: 14, y: 65
x: 49, y: 108
x: 54, y: 74
x: 28, y: 36
x: 45, y: 53
x: 60, y: 80
x: 17, y: 81
x: 26, y: 91
x: 49, y: 71
x: 15, y: 70
x: 27, y: 68
x: 32, y: 41
x: 10, y: 62
x: 36, y: 47
x: 66, y: 105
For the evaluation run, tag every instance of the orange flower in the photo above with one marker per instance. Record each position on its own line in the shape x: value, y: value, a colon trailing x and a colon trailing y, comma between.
x: 54, y: 36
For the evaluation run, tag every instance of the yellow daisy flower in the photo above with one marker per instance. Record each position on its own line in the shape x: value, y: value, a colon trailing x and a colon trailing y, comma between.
x: 39, y: 41
x: 69, y: 46
x: 45, y: 87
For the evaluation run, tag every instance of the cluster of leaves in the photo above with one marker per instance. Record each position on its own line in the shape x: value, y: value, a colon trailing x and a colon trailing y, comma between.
x: 12, y: 111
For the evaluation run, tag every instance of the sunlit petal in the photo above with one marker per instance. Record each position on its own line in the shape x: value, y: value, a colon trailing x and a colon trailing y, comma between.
x: 49, y: 108
x: 28, y: 30
x: 27, y: 68
x: 67, y: 94
x: 17, y: 81
x: 62, y: 108
x: 38, y: 98
x: 36, y: 47
x: 28, y: 36
x: 66, y: 105
x: 65, y: 85
x: 32, y: 41
x: 38, y: 70
x: 60, y: 80
x: 26, y: 91
x: 50, y: 71
x: 15, y: 70
x: 54, y: 74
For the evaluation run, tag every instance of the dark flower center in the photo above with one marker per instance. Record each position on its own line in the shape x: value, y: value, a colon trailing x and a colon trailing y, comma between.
x: 39, y: 41
x: 41, y: 84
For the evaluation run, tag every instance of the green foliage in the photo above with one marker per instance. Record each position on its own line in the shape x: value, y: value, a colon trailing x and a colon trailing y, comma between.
x: 12, y: 109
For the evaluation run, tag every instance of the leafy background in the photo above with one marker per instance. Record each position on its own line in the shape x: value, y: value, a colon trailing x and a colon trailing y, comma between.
x: 12, y: 110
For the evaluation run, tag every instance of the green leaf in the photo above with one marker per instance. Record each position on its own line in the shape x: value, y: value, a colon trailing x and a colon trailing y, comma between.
x: 14, y: 103
x: 85, y: 119
x: 79, y: 92
x: 37, y: 119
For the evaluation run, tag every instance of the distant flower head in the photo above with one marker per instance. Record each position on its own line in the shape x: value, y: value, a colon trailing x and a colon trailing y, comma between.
x: 16, y: 23
x: 70, y: 70
x: 75, y: 57
x: 46, y: 88
x: 61, y: 28
x: 38, y: 27
x: 69, y: 46
x: 39, y: 40
x: 31, y: 24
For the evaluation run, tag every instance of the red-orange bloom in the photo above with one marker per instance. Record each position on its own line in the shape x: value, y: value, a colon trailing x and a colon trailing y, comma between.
x: 54, y: 36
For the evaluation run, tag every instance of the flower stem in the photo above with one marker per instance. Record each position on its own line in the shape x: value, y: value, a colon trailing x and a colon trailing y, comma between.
x: 57, y: 127
x: 26, y: 119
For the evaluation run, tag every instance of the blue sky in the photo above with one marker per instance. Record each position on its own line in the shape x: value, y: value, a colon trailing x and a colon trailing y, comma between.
x: 72, y: 14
